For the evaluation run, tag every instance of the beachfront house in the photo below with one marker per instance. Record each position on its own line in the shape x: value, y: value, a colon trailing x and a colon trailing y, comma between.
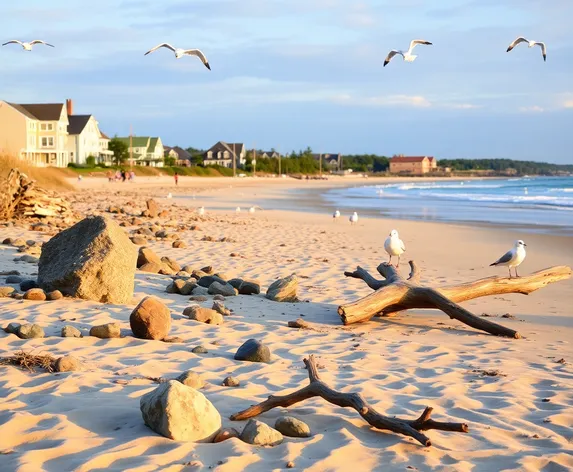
x: 182, y: 157
x: 329, y: 161
x: 269, y: 154
x: 105, y: 155
x: 223, y: 153
x: 145, y: 150
x: 35, y: 132
x: 415, y: 165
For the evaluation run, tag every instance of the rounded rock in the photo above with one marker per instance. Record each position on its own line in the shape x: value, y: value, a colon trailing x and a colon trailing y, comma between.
x: 226, y: 433
x: 253, y: 351
x: 54, y: 295
x: 292, y: 427
x: 36, y: 294
x: 67, y: 364
x: 191, y: 379
x: 151, y: 319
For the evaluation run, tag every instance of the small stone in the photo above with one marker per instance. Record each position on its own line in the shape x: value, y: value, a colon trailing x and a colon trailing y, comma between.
x: 71, y: 332
x: 208, y: 270
x: 207, y: 280
x: 152, y: 208
x: 12, y: 328
x: 67, y: 364
x: 13, y: 279
x: 249, y: 287
x: 198, y: 298
x: 191, y: 379
x: 253, y: 351
x: 171, y: 263
x: 18, y: 242
x: 203, y: 315
x: 226, y: 433
x: 260, y: 434
x: 292, y: 427
x: 219, y: 298
x: 231, y: 382
x: 54, y: 295
x: 150, y: 319
x: 173, y: 340
x: 199, y: 350
x: 28, y: 258
x: 147, y: 256
x: 290, y: 465
x: 151, y: 267
x: 179, y: 244
x: 30, y: 331
x: 188, y: 288
x: 106, y: 331
x: 26, y: 285
x: 226, y: 290
x: 235, y: 283
x: 6, y: 292
x: 200, y: 291
x: 220, y: 308
x: 139, y: 240
x: 36, y: 294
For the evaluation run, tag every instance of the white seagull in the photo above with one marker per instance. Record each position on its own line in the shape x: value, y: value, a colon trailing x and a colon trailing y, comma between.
x: 252, y: 209
x: 28, y: 46
x: 353, y: 218
x: 521, y: 39
x: 394, y: 246
x: 201, y: 211
x: 238, y: 210
x: 179, y: 53
x: 513, y: 257
x: 336, y: 215
x: 408, y: 56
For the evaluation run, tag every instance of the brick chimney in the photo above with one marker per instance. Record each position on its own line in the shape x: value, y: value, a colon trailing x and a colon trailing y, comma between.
x: 70, y: 106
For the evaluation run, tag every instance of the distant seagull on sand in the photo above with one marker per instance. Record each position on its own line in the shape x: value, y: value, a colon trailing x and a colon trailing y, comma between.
x: 531, y: 44
x: 394, y: 246
x: 408, y: 56
x: 238, y: 210
x: 335, y: 216
x: 179, y: 53
x: 28, y: 46
x: 169, y: 195
x: 353, y: 218
x: 201, y: 211
x: 513, y: 257
x: 252, y: 210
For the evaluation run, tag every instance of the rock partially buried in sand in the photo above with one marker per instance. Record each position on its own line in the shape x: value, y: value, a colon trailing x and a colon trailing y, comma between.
x: 253, y: 351
x: 260, y: 434
x: 231, y: 382
x: 283, y: 290
x: 226, y: 290
x: 93, y: 260
x: 292, y: 427
x: 203, y: 315
x: 219, y: 307
x: 30, y: 331
x: 71, y: 332
x: 12, y: 328
x: 151, y: 267
x: 180, y: 413
x: 191, y: 379
x: 67, y: 364
x: 35, y: 294
x: 199, y: 350
x: 6, y: 292
x: 151, y: 319
x: 54, y: 295
x: 226, y: 433
x: 246, y: 287
x: 179, y: 244
x: 147, y: 256
x: 106, y: 331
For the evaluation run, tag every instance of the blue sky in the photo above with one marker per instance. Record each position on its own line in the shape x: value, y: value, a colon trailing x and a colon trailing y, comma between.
x: 292, y: 73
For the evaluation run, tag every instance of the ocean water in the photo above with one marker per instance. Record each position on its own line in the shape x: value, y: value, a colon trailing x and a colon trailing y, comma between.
x: 530, y: 203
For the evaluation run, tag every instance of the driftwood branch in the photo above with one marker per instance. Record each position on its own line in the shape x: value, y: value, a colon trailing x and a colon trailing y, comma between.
x: 395, y: 294
x: 317, y: 388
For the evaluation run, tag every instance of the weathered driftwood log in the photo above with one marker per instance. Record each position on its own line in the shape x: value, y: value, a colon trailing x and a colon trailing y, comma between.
x: 396, y: 294
x: 317, y: 388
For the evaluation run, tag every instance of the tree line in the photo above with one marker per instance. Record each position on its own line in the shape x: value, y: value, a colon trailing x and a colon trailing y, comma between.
x: 502, y: 165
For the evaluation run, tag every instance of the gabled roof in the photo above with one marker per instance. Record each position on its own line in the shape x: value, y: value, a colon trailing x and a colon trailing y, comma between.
x: 325, y: 156
x: 40, y: 111
x: 136, y: 141
x: 77, y: 123
x: 406, y: 159
x: 103, y: 135
x: 223, y: 146
x: 152, y: 144
x: 182, y: 153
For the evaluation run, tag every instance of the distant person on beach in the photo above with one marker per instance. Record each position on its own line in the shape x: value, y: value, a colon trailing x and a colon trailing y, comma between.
x: 123, y: 176
x: 79, y: 178
x: 176, y: 177
x: 109, y: 176
x: 132, y: 176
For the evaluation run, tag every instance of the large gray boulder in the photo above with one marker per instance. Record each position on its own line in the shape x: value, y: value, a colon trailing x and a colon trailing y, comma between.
x: 181, y: 413
x: 93, y: 260
x: 283, y: 290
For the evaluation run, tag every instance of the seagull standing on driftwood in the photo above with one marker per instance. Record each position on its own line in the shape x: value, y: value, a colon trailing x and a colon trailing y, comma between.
x: 28, y: 46
x: 394, y: 246
x: 407, y: 56
x: 353, y: 218
x: 179, y: 53
x: 521, y: 39
x: 513, y: 257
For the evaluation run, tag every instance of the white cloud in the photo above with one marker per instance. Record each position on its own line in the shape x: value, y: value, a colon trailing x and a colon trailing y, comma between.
x: 532, y: 109
x: 568, y: 104
x: 416, y: 101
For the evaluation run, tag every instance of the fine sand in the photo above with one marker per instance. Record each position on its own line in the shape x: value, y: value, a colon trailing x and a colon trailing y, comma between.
x: 90, y: 420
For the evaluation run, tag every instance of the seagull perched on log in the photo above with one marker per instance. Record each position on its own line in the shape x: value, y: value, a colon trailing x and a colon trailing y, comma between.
x: 394, y: 246
x: 179, y: 53
x: 513, y: 257
x: 407, y: 56
x: 521, y: 39
x: 28, y: 46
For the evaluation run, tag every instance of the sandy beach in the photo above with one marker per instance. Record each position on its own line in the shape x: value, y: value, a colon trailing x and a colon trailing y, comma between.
x: 519, y: 419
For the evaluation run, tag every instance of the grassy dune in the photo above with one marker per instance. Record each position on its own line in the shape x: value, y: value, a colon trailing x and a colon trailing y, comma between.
x: 46, y: 177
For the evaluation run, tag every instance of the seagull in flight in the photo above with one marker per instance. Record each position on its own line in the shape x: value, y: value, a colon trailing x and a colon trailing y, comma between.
x: 408, y: 56
x: 531, y: 44
x: 394, y: 246
x: 179, y: 53
x: 28, y: 46
x: 513, y: 257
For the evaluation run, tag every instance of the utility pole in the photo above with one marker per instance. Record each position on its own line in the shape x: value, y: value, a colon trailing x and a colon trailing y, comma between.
x: 254, y: 160
x: 130, y: 146
x: 279, y: 150
x: 320, y: 164
x: 234, y: 162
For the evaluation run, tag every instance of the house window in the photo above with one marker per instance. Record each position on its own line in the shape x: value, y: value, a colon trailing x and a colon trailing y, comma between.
x: 32, y: 140
x: 47, y: 126
x: 47, y: 141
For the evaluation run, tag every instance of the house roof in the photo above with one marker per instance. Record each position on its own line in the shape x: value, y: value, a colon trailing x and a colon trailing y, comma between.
x: 223, y: 146
x: 103, y: 135
x: 325, y: 156
x: 136, y: 141
x: 182, y: 153
x: 408, y: 159
x: 152, y: 144
x: 40, y: 111
x: 77, y: 123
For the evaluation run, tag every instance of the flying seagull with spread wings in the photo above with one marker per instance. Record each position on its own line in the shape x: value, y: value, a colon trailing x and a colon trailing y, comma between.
x: 521, y: 39
x: 28, y: 46
x: 407, y: 56
x: 179, y: 53
x: 512, y: 258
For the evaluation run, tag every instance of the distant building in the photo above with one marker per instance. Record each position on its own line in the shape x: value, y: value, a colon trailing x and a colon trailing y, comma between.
x: 330, y: 161
x: 223, y: 153
x: 146, y: 150
x: 105, y: 155
x: 35, y: 132
x: 268, y: 154
x: 417, y: 165
x: 182, y: 157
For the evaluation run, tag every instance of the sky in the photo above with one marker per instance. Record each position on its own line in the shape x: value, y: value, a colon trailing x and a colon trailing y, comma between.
x: 287, y: 74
